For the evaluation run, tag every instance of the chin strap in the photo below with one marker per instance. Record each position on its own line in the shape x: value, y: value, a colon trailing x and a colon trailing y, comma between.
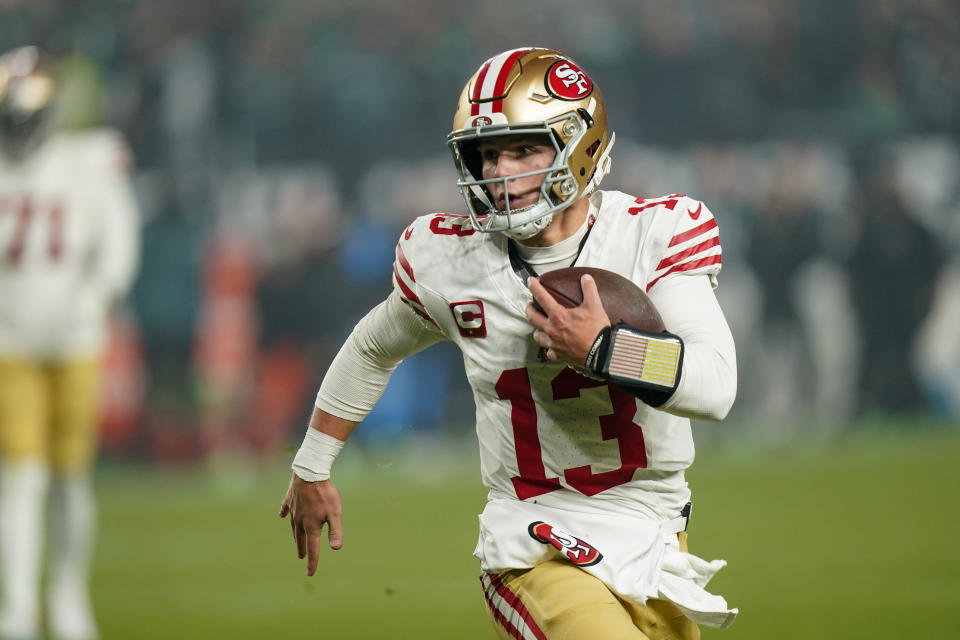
x: 527, y: 229
x: 648, y: 365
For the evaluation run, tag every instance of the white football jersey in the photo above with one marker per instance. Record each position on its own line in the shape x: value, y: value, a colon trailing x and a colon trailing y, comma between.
x: 546, y: 432
x: 68, y: 244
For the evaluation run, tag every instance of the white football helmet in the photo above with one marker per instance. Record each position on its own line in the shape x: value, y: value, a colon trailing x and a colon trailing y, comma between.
x: 27, y: 94
x: 531, y: 91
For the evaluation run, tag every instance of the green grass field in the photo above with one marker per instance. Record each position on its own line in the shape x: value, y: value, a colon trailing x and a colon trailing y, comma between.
x: 852, y: 539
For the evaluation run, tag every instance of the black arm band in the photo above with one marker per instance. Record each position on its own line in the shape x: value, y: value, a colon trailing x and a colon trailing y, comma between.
x: 647, y: 365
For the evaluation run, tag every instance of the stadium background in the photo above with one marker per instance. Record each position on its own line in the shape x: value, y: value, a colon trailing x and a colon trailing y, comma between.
x: 281, y: 147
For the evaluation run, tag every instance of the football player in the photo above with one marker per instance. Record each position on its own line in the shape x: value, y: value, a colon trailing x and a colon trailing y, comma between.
x: 584, y: 531
x: 68, y: 250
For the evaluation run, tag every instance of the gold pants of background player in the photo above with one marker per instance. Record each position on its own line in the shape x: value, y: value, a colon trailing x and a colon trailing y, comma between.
x: 49, y: 411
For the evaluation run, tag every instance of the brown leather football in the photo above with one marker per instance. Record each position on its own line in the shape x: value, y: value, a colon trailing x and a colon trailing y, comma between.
x: 622, y: 299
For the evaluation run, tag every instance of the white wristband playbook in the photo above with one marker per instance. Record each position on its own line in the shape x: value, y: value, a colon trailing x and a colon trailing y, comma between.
x: 637, y: 359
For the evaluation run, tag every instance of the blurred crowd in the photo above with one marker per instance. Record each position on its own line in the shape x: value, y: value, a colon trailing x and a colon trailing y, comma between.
x: 281, y: 148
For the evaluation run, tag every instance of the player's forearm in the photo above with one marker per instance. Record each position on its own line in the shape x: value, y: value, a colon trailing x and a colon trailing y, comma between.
x: 119, y: 255
x: 708, y: 385
x: 321, y: 445
x: 355, y: 381
x: 359, y: 374
x: 339, y: 428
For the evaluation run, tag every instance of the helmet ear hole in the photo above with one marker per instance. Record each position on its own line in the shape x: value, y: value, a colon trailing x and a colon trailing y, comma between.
x: 470, y: 153
x: 587, y: 118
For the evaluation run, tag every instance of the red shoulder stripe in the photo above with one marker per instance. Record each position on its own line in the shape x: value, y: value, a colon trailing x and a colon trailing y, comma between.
x: 686, y: 253
x: 422, y: 314
x: 687, y: 266
x: 407, y: 291
x: 402, y: 259
x: 693, y: 233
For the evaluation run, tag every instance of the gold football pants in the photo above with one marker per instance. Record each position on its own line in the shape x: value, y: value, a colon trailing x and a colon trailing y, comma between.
x: 558, y: 601
x: 49, y: 411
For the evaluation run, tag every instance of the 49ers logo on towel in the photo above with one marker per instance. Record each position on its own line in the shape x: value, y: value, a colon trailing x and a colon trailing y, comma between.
x: 579, y: 552
x: 567, y: 81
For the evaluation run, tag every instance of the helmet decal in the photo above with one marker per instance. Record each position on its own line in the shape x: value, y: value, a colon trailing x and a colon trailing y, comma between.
x: 567, y: 81
x: 492, y: 80
x: 481, y: 121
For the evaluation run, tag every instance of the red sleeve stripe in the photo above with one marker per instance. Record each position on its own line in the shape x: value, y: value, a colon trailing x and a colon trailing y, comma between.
x: 687, y: 266
x: 402, y: 259
x: 509, y: 610
x: 693, y: 233
x: 423, y: 314
x: 686, y: 253
x: 406, y: 290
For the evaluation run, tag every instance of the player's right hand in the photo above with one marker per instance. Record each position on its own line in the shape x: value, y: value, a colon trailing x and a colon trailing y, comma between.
x: 310, y: 505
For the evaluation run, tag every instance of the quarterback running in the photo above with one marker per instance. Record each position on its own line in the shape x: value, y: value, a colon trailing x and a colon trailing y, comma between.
x: 584, y: 533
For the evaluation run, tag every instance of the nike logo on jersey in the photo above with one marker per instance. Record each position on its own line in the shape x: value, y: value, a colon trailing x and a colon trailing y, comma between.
x: 695, y: 213
x: 408, y: 233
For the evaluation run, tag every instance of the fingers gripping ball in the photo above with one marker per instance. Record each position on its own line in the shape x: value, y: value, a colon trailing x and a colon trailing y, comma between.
x: 623, y: 301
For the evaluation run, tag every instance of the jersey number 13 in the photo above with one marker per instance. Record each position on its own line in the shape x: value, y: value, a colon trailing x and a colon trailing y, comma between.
x: 514, y: 387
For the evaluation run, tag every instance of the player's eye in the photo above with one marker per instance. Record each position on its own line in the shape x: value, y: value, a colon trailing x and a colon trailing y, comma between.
x: 489, y: 154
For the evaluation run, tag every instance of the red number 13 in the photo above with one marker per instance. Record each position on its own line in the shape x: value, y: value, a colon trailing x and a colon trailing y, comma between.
x: 514, y: 386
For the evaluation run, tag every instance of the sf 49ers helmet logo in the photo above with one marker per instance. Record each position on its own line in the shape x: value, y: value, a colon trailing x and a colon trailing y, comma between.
x: 579, y: 552
x: 481, y: 121
x: 567, y: 81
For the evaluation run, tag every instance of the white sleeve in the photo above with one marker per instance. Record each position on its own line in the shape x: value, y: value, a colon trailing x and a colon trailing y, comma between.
x: 708, y: 383
x: 118, y: 260
x: 381, y: 340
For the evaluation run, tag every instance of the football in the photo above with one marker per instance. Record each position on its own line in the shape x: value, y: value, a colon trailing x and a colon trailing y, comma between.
x: 622, y: 299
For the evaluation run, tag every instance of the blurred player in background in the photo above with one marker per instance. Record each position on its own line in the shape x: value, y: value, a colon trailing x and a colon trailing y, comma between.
x: 68, y: 251
x: 583, y: 534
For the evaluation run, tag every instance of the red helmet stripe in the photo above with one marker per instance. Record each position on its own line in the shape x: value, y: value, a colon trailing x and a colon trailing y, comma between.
x: 492, y: 80
x: 502, y: 78
x: 478, y: 87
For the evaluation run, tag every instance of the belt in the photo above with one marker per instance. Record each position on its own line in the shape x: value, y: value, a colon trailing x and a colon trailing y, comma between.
x: 679, y: 524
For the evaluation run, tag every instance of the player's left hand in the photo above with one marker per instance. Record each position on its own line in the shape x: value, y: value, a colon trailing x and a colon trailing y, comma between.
x: 567, y: 334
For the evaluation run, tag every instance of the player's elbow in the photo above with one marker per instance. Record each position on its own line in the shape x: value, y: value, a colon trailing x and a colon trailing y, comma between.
x: 708, y: 389
x: 723, y: 403
x: 726, y: 390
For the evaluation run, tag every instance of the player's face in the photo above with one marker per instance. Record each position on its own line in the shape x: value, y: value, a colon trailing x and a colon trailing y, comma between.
x: 512, y: 155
